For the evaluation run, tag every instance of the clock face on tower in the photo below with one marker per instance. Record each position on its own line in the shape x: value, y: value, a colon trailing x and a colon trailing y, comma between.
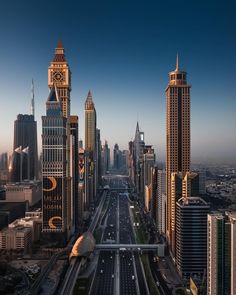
x: 58, y: 76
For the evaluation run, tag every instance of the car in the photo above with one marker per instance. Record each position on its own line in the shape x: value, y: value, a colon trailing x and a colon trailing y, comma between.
x: 157, y: 283
x: 133, y: 277
x: 101, y: 271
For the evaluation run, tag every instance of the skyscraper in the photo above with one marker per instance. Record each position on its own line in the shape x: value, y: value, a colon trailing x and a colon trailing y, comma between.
x: 25, y: 136
x: 60, y: 147
x: 98, y: 158
x: 161, y: 201
x: 138, y: 147
x: 191, y: 237
x: 221, y: 254
x: 90, y: 148
x: 90, y: 123
x: 177, y: 138
x: 116, y: 157
x: 54, y: 201
x: 147, y: 164
x: 74, y: 170
x: 59, y: 74
x: 105, y: 158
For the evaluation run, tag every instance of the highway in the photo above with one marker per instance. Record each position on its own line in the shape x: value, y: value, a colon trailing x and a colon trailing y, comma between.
x: 118, y: 271
x: 105, y: 273
x: 76, y: 263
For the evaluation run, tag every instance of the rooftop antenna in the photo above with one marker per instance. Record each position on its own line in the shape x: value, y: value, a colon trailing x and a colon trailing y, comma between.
x: 32, y: 99
x: 177, y: 62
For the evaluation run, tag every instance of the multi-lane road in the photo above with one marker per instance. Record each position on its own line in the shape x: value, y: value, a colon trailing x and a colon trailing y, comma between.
x: 120, y: 271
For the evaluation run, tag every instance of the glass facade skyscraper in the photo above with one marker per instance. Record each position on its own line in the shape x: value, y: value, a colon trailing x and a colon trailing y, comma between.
x: 54, y: 201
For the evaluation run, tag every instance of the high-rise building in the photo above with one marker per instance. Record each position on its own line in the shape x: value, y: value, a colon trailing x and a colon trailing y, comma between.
x: 116, y: 157
x: 90, y: 149
x: 191, y: 237
x: 98, y: 158
x: 138, y: 148
x: 82, y: 203
x: 131, y: 162
x: 54, y: 145
x: 148, y: 163
x: 4, y: 170
x: 221, y: 254
x: 3, y: 161
x: 25, y: 148
x: 182, y: 185
x: 59, y: 79
x: 105, y: 158
x: 177, y: 138
x: 161, y: 201
x: 59, y: 75
x: 90, y: 124
x: 154, y: 180
x: 74, y: 170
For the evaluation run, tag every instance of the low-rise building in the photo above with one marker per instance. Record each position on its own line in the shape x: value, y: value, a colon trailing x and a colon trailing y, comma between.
x: 26, y: 191
x: 33, y: 222
x: 19, y: 237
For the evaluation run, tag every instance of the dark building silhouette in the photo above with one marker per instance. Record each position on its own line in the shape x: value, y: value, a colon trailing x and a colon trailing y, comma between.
x: 116, y: 157
x: 20, y: 165
x: 74, y: 162
x: 191, y: 236
x: 25, y: 148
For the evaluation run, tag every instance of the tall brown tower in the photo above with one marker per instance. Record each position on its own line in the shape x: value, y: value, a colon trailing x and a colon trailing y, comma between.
x: 59, y: 74
x: 177, y: 139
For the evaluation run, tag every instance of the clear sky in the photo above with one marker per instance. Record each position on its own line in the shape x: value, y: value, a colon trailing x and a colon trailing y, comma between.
x: 122, y: 51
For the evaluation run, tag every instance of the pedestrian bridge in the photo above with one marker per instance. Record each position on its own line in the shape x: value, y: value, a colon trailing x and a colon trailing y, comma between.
x: 123, y: 247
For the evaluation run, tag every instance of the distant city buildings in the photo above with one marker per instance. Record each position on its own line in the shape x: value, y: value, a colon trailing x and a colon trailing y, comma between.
x: 221, y: 253
x: 120, y: 159
x: 106, y: 163
x: 4, y: 169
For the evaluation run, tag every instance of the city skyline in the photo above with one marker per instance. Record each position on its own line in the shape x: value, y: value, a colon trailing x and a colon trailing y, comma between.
x: 126, y: 67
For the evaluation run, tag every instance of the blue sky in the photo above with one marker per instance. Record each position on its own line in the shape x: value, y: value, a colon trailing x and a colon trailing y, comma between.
x: 122, y: 51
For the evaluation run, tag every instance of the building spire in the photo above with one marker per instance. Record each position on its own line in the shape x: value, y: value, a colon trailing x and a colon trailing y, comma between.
x: 89, y: 105
x: 59, y: 43
x: 177, y: 62
x: 32, y: 99
x: 59, y: 52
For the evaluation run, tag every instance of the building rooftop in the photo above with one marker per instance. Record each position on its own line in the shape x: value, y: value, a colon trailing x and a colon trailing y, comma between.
x: 192, y: 201
x: 23, y: 184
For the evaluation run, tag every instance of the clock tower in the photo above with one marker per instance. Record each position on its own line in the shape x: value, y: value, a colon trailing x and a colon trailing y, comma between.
x: 59, y: 75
